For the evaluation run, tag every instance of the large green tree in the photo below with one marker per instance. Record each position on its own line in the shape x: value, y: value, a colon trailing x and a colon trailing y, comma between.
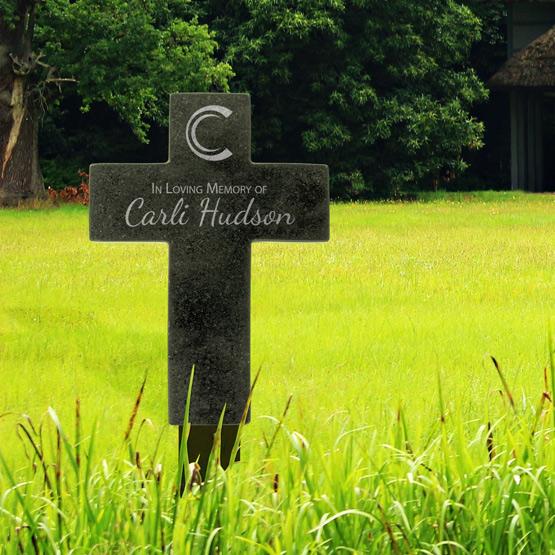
x: 380, y: 90
x: 128, y: 54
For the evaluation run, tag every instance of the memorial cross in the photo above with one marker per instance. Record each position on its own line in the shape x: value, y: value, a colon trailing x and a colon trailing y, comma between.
x: 209, y: 202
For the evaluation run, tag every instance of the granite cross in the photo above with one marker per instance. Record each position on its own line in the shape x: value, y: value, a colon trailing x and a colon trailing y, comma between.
x: 209, y: 202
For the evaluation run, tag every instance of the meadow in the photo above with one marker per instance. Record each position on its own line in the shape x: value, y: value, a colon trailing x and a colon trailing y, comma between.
x: 380, y: 422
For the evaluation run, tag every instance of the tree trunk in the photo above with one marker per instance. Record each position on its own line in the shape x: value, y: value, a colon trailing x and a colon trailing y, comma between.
x: 20, y: 175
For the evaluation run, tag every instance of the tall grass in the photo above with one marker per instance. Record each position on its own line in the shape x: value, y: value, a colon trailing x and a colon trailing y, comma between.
x: 391, y: 429
x: 471, y: 487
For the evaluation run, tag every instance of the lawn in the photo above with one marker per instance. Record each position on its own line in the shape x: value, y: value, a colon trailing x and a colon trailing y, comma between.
x: 359, y: 331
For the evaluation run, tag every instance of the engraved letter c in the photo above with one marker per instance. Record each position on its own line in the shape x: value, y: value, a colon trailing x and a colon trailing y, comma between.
x: 210, y: 154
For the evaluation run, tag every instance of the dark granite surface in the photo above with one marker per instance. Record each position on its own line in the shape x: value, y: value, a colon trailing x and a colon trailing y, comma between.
x: 209, y: 202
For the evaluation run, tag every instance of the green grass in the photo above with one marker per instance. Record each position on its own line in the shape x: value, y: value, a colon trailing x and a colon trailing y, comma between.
x: 353, y: 330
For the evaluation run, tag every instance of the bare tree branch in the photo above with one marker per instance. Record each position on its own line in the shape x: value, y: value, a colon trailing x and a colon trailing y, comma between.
x: 61, y: 80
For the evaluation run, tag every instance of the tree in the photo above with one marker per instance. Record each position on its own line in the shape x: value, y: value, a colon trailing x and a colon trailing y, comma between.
x: 380, y: 90
x: 128, y: 54
x: 489, y: 53
x: 491, y: 166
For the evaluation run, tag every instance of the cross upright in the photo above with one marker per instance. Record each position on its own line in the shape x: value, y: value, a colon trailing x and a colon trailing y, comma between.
x: 209, y: 202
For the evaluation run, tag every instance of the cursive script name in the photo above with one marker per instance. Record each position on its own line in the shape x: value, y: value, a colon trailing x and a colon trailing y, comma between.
x: 210, y: 215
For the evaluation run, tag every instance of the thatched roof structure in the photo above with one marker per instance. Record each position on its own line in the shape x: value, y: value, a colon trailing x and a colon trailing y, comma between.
x: 531, y: 67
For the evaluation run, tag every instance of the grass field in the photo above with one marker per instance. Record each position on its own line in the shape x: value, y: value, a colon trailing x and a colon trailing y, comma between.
x: 359, y: 331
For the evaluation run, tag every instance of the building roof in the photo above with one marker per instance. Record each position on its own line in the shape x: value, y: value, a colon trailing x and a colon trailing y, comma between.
x: 531, y: 67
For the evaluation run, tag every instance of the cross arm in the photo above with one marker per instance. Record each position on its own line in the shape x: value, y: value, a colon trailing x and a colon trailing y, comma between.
x: 113, y: 188
x: 300, y: 191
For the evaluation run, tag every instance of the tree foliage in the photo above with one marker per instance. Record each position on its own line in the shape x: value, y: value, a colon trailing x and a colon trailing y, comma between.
x: 489, y: 53
x: 379, y: 90
x: 128, y: 54
x: 383, y: 92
